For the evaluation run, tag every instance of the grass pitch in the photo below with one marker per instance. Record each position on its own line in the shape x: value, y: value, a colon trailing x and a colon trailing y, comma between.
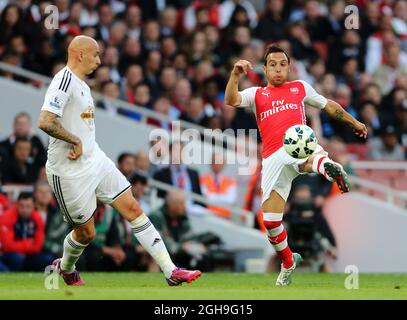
x: 211, y: 286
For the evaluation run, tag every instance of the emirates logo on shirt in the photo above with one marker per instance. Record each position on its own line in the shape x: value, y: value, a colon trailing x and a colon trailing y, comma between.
x: 277, y: 106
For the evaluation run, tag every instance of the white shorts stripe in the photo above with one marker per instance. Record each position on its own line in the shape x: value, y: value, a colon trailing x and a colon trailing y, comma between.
x: 270, y: 216
x: 276, y: 231
x: 281, y: 246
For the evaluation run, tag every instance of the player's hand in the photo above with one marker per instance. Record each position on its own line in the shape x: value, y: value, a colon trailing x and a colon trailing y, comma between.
x: 241, y: 66
x: 360, y: 129
x: 76, y: 151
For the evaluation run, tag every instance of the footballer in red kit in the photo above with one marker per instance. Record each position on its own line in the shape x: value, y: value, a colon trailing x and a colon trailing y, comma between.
x: 278, y: 106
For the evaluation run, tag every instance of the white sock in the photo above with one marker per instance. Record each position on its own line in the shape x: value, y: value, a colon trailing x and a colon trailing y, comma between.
x: 318, y: 165
x: 151, y: 240
x: 72, y: 251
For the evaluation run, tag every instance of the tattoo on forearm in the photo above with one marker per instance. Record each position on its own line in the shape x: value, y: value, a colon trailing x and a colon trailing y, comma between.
x: 339, y: 114
x: 55, y: 129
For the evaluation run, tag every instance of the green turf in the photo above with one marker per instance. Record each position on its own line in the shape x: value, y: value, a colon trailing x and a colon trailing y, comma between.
x: 238, y: 286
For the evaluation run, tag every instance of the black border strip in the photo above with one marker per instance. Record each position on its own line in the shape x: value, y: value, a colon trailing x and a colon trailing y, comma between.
x: 120, y: 193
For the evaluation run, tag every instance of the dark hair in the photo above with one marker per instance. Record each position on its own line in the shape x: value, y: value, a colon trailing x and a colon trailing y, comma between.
x: 272, y: 49
x: 22, y: 139
x: 122, y: 156
x: 22, y: 115
x: 25, y: 195
x: 106, y: 83
x: 138, y: 178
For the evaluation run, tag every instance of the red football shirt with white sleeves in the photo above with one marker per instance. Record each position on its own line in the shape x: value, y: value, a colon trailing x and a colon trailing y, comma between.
x: 279, y: 108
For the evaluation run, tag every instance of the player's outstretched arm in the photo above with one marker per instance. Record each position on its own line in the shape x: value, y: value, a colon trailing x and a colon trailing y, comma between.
x: 49, y: 123
x: 335, y: 111
x: 232, y: 97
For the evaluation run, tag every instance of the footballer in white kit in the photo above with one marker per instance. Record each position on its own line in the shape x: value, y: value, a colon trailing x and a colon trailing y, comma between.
x: 77, y: 184
x: 79, y: 172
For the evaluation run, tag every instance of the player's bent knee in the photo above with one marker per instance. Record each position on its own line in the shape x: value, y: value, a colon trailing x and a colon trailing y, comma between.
x: 85, y: 235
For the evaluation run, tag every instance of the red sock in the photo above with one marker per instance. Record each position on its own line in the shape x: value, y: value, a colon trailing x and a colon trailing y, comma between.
x: 283, y: 249
x: 278, y: 237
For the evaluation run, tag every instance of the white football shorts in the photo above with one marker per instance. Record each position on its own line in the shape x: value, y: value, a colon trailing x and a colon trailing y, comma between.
x: 278, y: 171
x: 77, y: 196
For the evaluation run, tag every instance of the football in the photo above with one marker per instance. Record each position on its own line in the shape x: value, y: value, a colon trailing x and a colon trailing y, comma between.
x: 300, y: 141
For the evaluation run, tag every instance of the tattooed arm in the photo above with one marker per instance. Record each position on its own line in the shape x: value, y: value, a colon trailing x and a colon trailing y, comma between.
x: 335, y: 111
x: 49, y: 123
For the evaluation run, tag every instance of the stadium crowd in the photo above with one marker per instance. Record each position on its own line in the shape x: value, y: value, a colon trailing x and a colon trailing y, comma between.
x: 173, y: 57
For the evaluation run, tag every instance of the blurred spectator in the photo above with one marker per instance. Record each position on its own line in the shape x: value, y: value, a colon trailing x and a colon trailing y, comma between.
x: 4, y: 203
x: 387, y: 146
x: 177, y: 173
x: 369, y: 116
x: 55, y: 228
x: 316, y: 23
x: 200, y: 14
x: 197, y: 48
x: 227, y: 8
x: 131, y: 55
x: 378, y: 42
x: 133, y: 22
x: 139, y: 185
x: 181, y: 94
x: 152, y: 8
x: 142, y: 162
x: 22, y: 236
x: 386, y: 74
x: 272, y: 22
x: 126, y: 164
x: 301, y: 44
x: 163, y: 106
x: 151, y: 71
x: 168, y: 49
x: 102, y: 75
x: 110, y: 91
x: 11, y: 23
x: 218, y: 187
x: 117, y: 35
x: 168, y: 21
x: 105, y: 251
x: 311, y: 235
x: 195, y: 112
x: 344, y: 98
x: 142, y: 96
x: 22, y: 128
x: 171, y: 220
x: 20, y: 168
x: 168, y: 80
x: 349, y: 46
x: 106, y: 18
x: 399, y: 19
x: 111, y: 59
x: 316, y: 71
x: 151, y: 35
x: 371, y: 93
x: 403, y: 126
x: 89, y: 13
x: 134, y: 77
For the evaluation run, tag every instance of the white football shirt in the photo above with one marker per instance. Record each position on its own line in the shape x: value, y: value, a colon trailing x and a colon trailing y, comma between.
x: 70, y: 99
